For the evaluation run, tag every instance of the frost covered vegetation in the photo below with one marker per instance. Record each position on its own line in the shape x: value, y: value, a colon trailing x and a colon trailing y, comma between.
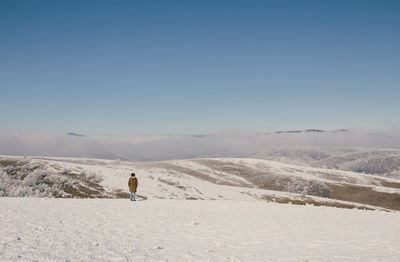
x: 29, y: 179
x: 385, y: 162
x: 314, y: 188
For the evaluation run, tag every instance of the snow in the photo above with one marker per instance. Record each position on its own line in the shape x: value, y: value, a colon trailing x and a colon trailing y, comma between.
x: 43, y: 229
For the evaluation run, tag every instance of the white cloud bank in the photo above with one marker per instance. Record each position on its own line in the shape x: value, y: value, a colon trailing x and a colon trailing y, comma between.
x: 142, y: 148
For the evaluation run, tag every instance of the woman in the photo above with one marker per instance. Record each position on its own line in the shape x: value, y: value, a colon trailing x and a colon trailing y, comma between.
x: 133, y: 183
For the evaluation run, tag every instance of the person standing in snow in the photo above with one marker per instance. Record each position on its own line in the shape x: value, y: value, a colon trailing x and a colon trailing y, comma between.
x: 133, y: 183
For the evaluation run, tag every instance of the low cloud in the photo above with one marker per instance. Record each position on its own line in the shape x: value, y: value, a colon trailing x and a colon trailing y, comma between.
x: 146, y: 148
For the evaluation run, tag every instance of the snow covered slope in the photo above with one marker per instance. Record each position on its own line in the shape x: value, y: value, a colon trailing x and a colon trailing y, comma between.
x: 204, y: 179
x: 43, y: 229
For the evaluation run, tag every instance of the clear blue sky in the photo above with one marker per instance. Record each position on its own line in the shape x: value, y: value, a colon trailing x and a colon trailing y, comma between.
x: 184, y: 67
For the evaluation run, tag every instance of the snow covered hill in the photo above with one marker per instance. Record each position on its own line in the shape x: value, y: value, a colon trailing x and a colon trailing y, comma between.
x: 384, y: 162
x: 203, y: 179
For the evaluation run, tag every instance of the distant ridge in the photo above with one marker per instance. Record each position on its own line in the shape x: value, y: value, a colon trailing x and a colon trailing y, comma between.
x: 74, y: 134
x: 308, y: 131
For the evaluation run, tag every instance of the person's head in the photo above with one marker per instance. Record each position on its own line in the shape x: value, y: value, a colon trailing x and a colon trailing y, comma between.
x: 133, y: 175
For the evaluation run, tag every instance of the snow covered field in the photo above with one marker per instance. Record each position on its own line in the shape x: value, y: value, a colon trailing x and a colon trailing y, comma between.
x: 230, y: 221
x: 42, y: 229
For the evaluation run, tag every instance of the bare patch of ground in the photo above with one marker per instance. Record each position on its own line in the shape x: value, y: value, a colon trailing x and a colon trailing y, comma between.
x: 171, y: 183
x: 7, y: 162
x: 309, y: 201
x: 118, y: 193
x: 390, y: 184
x: 191, y: 198
x: 365, y: 195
